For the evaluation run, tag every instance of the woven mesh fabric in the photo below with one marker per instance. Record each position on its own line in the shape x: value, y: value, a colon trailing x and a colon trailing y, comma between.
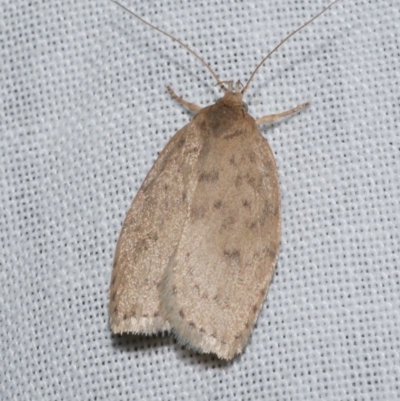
x: 84, y: 113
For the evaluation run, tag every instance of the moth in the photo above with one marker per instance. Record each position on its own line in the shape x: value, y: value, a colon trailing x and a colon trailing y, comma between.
x: 199, y: 245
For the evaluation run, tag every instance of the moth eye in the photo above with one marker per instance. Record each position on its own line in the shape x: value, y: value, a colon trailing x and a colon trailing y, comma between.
x: 245, y: 106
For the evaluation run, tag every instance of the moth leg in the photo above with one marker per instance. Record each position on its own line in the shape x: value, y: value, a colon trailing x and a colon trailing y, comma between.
x: 191, y: 106
x: 273, y: 117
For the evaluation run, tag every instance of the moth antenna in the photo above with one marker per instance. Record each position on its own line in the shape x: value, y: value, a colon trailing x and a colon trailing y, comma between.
x: 175, y: 40
x: 282, y: 42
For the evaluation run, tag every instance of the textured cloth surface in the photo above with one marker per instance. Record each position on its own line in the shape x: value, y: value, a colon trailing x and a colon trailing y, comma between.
x: 84, y: 113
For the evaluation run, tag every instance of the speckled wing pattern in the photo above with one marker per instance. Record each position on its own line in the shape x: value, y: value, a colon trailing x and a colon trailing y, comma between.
x: 218, y: 278
x: 149, y: 236
x: 199, y: 245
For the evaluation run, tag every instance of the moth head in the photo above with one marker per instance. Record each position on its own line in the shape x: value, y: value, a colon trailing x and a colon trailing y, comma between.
x: 233, y: 95
x: 236, y: 87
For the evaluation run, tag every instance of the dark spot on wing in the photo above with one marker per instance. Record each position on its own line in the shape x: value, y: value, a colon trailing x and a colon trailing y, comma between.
x: 232, y: 253
x: 181, y: 314
x: 233, y: 256
x: 246, y: 203
x: 270, y: 252
x: 251, y: 180
x: 211, y: 176
x: 238, y: 181
x: 152, y: 236
x: 253, y: 225
x: 141, y: 246
x: 218, y: 204
x: 228, y: 222
x: 252, y: 157
x: 269, y: 209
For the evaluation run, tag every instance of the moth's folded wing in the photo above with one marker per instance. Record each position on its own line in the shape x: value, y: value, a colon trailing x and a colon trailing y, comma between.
x: 214, y: 286
x: 149, y: 237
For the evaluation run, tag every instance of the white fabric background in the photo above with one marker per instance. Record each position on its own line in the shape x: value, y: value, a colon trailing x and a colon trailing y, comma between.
x: 84, y: 113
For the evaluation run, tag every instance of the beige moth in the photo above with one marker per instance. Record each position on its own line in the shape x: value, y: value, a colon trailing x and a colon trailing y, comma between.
x: 199, y: 245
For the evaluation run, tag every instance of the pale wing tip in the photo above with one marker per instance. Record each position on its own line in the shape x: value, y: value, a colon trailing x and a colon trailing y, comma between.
x: 205, y: 344
x: 143, y: 325
x: 197, y: 341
